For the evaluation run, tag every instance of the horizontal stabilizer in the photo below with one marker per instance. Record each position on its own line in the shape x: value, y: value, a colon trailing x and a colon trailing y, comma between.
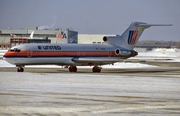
x: 132, y: 34
x: 149, y: 25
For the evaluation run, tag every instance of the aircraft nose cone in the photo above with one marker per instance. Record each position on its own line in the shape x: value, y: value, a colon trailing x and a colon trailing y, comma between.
x: 5, y: 54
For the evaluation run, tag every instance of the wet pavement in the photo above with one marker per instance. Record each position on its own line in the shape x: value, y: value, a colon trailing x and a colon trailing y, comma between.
x: 85, y: 94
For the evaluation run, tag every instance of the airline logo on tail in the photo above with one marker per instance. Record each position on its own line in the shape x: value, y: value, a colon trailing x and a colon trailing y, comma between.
x: 132, y: 37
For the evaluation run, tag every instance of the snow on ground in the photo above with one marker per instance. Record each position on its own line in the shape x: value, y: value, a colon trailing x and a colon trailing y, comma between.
x: 161, y: 52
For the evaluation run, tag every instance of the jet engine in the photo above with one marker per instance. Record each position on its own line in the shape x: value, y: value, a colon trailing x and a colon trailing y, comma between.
x: 111, y: 39
x: 126, y: 53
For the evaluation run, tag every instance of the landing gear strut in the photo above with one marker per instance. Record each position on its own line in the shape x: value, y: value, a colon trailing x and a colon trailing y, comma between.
x: 96, y: 69
x: 72, y: 69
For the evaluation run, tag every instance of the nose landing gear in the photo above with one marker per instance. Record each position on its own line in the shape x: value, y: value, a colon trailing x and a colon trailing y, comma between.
x: 20, y: 69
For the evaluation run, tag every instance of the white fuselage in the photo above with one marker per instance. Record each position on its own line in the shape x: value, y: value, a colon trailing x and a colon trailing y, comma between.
x: 66, y: 54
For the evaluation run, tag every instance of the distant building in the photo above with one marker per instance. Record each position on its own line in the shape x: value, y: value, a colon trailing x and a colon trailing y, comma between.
x: 10, y: 37
x: 18, y: 41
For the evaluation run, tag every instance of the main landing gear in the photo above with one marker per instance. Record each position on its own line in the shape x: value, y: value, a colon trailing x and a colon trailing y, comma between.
x: 20, y: 69
x: 72, y: 69
x: 96, y: 69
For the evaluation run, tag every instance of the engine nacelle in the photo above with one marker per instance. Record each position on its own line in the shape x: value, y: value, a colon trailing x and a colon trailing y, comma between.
x: 125, y: 53
x: 111, y: 39
x: 114, y: 40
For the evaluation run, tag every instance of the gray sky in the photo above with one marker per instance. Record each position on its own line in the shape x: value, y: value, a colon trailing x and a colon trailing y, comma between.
x: 94, y: 16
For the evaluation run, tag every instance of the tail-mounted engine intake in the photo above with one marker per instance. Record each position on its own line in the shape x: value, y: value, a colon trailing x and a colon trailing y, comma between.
x: 111, y: 39
x: 126, y: 53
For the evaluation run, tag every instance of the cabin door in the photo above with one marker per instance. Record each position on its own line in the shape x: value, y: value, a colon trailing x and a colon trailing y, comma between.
x: 29, y: 53
x: 109, y: 53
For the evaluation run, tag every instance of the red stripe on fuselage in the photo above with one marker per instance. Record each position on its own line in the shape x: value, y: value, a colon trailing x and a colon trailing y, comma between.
x: 25, y: 53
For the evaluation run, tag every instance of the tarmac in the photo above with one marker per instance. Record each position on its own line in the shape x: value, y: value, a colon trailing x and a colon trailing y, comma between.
x: 113, y: 92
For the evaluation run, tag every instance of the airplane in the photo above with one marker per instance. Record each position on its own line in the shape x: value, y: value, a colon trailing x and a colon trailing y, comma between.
x: 115, y: 49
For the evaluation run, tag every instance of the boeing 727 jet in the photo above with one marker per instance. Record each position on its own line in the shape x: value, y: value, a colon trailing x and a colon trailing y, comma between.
x: 115, y: 49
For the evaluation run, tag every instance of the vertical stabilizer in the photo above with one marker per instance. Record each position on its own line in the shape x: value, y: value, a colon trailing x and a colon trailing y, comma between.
x: 130, y: 37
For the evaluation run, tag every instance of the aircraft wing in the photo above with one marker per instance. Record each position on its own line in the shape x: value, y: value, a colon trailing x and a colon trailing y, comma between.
x: 105, y: 60
x: 95, y: 60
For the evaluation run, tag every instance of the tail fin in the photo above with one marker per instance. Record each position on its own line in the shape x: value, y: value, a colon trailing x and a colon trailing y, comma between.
x: 130, y: 37
x: 31, y: 36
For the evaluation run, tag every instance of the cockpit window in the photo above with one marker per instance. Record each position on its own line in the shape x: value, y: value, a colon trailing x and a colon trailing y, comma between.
x: 11, y: 50
x: 14, y: 50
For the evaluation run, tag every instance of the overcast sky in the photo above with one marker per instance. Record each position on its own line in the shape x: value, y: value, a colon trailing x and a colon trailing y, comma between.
x: 94, y: 16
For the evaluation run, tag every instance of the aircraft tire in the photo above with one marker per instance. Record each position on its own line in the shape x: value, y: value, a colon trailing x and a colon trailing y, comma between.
x: 72, y: 69
x: 96, y: 69
x: 20, y: 69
